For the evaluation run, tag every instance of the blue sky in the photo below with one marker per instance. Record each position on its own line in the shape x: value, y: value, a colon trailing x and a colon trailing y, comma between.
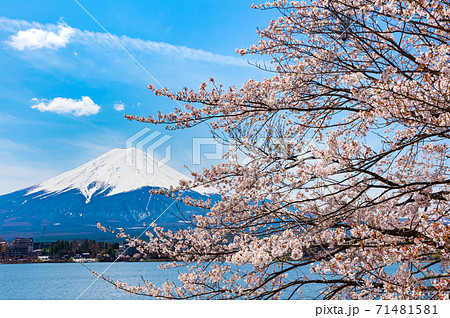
x: 66, y: 84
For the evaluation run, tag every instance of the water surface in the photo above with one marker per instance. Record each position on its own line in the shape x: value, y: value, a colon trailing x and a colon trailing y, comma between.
x: 70, y: 280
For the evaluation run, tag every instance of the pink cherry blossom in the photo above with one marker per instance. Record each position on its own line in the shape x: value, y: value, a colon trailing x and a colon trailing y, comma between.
x: 347, y: 147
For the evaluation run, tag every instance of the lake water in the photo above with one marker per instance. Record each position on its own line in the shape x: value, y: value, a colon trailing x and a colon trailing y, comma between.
x: 69, y: 280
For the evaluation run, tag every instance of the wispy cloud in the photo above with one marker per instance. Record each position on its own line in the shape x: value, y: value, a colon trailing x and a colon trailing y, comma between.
x: 77, y: 107
x: 18, y: 170
x: 119, y: 107
x: 33, y: 35
x: 13, y: 25
x: 37, y: 38
x: 8, y: 119
x: 20, y: 176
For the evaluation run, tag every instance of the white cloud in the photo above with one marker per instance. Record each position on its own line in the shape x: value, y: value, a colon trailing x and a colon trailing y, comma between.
x: 13, y: 25
x: 37, y: 38
x: 119, y: 107
x: 77, y: 107
x: 33, y: 35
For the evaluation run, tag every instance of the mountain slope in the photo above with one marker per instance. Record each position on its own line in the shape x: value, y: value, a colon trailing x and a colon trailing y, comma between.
x: 109, y: 189
x: 119, y: 170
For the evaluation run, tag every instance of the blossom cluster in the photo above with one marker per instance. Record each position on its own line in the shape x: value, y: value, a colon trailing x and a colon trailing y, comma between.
x: 352, y: 176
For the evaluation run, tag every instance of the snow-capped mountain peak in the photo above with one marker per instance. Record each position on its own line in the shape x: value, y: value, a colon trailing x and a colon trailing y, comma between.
x: 119, y: 170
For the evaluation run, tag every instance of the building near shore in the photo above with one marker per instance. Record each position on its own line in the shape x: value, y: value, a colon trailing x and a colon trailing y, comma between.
x: 19, y: 241
x: 2, y: 249
x: 20, y: 248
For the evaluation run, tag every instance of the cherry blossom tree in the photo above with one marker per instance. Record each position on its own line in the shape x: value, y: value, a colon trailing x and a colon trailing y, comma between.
x: 345, y: 182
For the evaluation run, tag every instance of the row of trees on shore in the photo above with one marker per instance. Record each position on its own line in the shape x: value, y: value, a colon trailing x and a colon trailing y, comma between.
x: 63, y: 248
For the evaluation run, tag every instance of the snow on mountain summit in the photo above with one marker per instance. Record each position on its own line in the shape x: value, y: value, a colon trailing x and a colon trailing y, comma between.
x: 118, y: 170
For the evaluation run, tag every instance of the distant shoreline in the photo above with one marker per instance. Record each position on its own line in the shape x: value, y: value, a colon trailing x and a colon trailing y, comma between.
x: 152, y: 260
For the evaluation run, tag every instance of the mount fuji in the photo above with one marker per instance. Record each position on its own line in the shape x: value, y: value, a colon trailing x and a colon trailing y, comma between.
x: 112, y: 189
